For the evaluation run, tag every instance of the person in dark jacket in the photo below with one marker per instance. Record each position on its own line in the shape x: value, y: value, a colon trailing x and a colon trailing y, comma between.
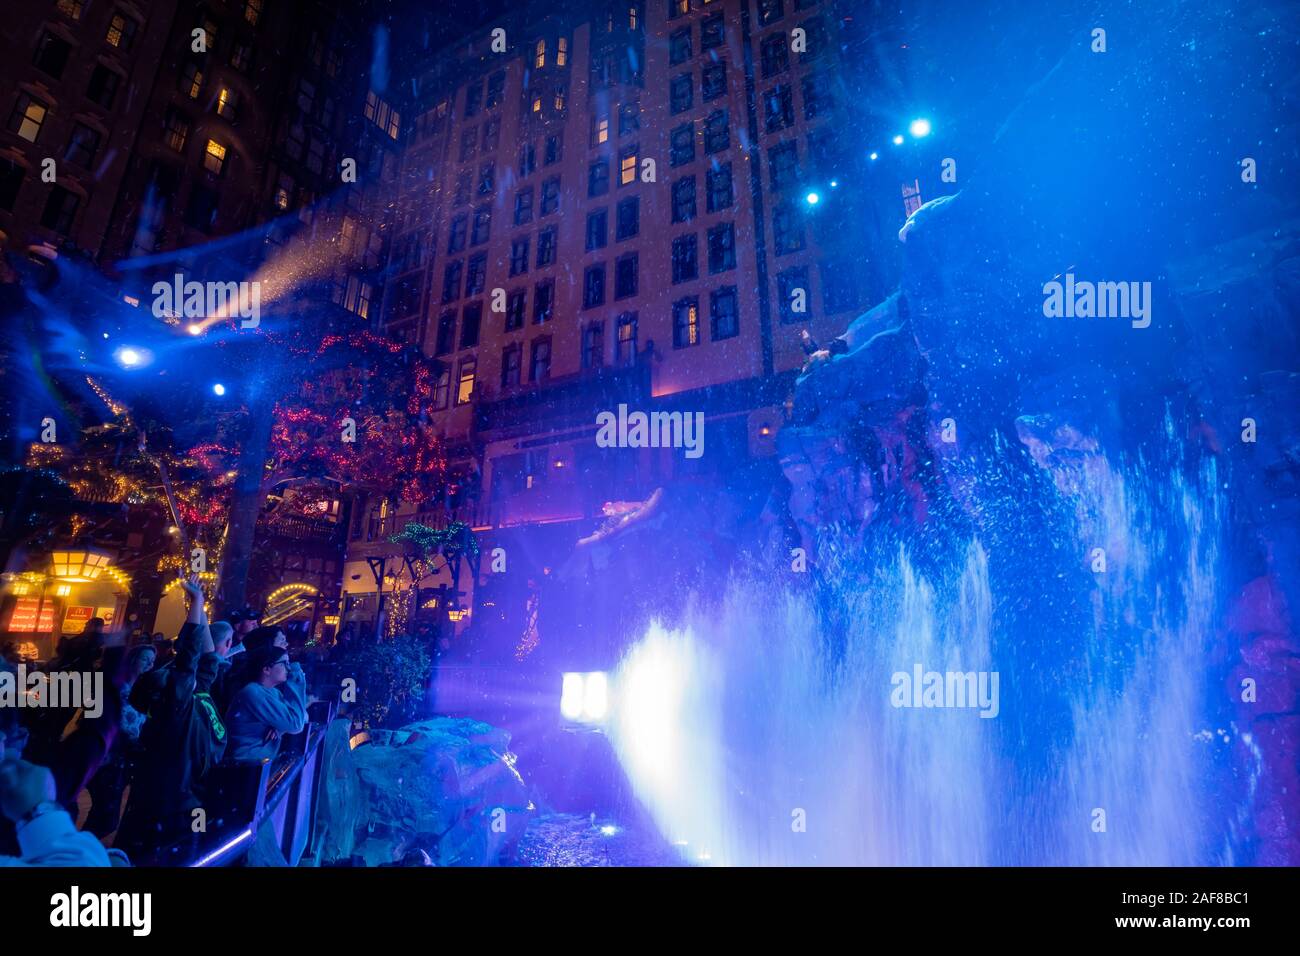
x: 273, y: 703
x: 181, y: 741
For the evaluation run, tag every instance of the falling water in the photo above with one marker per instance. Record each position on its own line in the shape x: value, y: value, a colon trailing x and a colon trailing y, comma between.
x: 759, y: 730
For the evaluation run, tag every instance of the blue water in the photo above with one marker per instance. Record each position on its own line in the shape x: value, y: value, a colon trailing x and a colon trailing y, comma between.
x: 758, y: 729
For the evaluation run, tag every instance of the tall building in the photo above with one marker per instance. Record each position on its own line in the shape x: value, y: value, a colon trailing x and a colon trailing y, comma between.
x: 620, y: 202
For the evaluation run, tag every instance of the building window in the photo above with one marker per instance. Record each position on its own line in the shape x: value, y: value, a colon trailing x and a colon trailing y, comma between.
x: 686, y: 323
x: 52, y: 54
x: 527, y: 160
x: 227, y: 104
x: 482, y: 225
x: 103, y: 85
x: 446, y: 333
x: 714, y: 81
x: 816, y: 33
x: 72, y: 8
x: 789, y: 284
x: 511, y: 361
x: 473, y: 99
x: 597, y: 229
x: 817, y: 97
x: 678, y: 8
x: 176, y: 129
x: 787, y: 229
x: 629, y: 118
x: 456, y: 235
x: 28, y: 117
x: 543, y: 302
x: 524, y: 206
x: 717, y: 132
x: 471, y: 319
x: 625, y: 343
x: 241, y: 57
x: 685, y: 258
x: 598, y: 178
x: 451, y: 280
x: 774, y: 55
x: 476, y: 274
x: 599, y: 130
x: 681, y: 93
x: 593, y: 286
x: 519, y: 256
x: 625, y: 276
x: 560, y: 92
x: 442, y: 389
x: 468, y: 143
x: 539, y: 364
x: 491, y: 135
x: 679, y: 46
x: 633, y: 17
x: 627, y: 166
x: 496, y: 88
x: 783, y: 165
x: 537, y: 103
x: 539, y: 54
x: 562, y: 51
x: 121, y: 32
x: 83, y: 145
x: 11, y: 180
x: 769, y: 11
x: 684, y: 199
x: 722, y: 248
x: 546, y: 248
x: 192, y: 79
x: 720, y: 194
x: 60, y: 210
x: 515, y: 309
x: 550, y: 195
x: 723, y: 313
x: 839, y: 286
x: 554, y: 151
x: 214, y: 157
x: 778, y: 108
x: 462, y: 196
x: 711, y: 32
x: 682, y: 145
x: 629, y: 218
x: 593, y: 345
x: 465, y: 383
x: 252, y: 11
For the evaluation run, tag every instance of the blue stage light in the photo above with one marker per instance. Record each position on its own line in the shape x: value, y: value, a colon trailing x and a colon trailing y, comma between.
x: 898, y: 140
x: 920, y: 127
x: 813, y: 199
x: 130, y: 357
x: 874, y: 155
x: 218, y: 389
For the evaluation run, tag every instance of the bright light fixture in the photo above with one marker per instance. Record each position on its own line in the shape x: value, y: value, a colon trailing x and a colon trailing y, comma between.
x: 584, y: 698
x: 898, y: 140
x: 920, y: 127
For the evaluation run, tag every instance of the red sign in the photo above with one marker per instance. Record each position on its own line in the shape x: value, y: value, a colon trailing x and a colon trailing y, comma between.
x: 29, y: 615
x: 75, y: 621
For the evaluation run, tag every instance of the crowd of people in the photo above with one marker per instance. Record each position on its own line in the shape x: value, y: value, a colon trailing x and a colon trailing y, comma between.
x: 176, y: 720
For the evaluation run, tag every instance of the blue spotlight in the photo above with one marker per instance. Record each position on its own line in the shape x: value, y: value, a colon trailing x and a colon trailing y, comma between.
x: 813, y: 199
x: 874, y: 155
x: 835, y: 184
x: 898, y: 140
x: 920, y: 127
x: 218, y: 389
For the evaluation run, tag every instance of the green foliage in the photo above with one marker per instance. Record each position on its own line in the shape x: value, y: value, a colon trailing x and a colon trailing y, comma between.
x: 455, y: 539
x: 391, y: 678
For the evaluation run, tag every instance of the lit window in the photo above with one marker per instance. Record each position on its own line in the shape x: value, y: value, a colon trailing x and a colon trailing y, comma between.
x: 71, y: 8
x: 686, y: 323
x: 559, y: 98
x: 562, y: 51
x: 27, y: 118
x: 227, y: 101
x: 537, y: 104
x: 627, y: 167
x: 214, y: 158
x: 601, y: 133
x: 631, y: 17
x: 192, y: 80
x: 539, y: 54
x: 121, y: 31
x: 252, y: 11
